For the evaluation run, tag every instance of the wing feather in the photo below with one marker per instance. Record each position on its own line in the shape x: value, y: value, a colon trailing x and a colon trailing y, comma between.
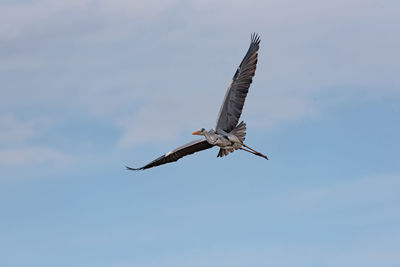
x: 235, y: 96
x: 176, y: 154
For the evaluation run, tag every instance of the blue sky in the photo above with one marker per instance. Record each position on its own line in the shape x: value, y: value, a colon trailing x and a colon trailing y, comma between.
x: 90, y: 86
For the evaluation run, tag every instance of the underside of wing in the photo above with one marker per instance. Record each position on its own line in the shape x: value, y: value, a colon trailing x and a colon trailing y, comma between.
x: 176, y: 154
x: 232, y: 106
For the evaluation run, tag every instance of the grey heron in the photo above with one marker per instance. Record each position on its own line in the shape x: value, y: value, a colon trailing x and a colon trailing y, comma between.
x: 227, y: 134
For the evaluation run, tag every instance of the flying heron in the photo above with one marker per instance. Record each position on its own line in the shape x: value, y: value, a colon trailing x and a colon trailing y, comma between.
x: 227, y: 133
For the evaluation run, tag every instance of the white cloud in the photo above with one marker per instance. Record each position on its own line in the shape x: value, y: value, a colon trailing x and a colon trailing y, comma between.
x: 14, y: 143
x: 17, y: 19
x: 280, y: 108
x: 166, y: 116
x: 20, y: 18
x: 308, y: 48
x: 29, y: 155
x: 16, y: 132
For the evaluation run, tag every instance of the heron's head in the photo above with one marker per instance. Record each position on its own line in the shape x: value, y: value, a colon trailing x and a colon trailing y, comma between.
x: 200, y: 132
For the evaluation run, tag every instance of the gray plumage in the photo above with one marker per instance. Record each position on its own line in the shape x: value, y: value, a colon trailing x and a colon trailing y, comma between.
x: 227, y: 134
x: 240, y: 132
x: 235, y: 96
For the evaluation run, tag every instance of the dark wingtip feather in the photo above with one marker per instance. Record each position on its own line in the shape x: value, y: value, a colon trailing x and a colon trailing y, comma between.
x: 255, y: 38
x: 133, y: 169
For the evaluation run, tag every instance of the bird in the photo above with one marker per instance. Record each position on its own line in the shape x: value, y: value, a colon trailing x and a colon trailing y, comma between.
x: 228, y: 134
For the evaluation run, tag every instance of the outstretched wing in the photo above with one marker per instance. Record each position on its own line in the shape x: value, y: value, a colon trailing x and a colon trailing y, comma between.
x: 177, y: 153
x: 232, y: 106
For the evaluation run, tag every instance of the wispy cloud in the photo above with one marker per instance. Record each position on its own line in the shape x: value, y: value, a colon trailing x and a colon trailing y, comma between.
x: 120, y: 61
x: 15, y: 132
x: 36, y: 15
x: 166, y: 116
x: 15, y: 147
x: 31, y: 155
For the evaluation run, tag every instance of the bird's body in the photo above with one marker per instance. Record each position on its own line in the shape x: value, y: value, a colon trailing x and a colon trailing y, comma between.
x: 228, y: 135
x: 217, y: 139
x: 228, y: 142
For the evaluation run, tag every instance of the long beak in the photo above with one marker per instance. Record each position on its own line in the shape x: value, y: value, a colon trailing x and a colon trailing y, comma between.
x: 196, y: 133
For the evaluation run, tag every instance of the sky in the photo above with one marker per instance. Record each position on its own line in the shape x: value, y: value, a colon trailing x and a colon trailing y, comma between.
x: 90, y: 86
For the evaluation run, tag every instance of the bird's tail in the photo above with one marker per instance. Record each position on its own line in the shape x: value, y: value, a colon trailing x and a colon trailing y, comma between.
x: 224, y: 152
x: 240, y: 132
